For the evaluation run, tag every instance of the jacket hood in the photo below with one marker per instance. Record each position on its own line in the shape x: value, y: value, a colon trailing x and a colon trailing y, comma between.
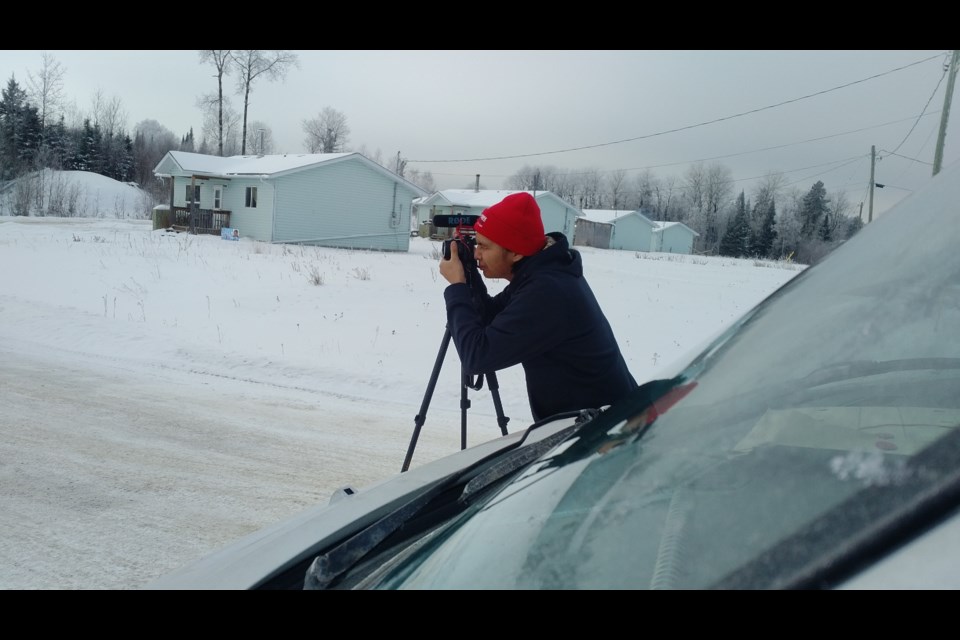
x: 557, y: 256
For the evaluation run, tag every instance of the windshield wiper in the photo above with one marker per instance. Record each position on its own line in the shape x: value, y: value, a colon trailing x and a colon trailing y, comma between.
x: 862, y: 368
x: 328, y: 567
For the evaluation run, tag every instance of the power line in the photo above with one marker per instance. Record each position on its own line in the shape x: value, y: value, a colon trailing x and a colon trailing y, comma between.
x: 692, y: 126
x: 935, y: 89
x: 781, y: 146
x: 739, y: 153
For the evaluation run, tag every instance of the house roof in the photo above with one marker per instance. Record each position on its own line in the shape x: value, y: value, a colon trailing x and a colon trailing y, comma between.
x: 611, y: 216
x: 484, y: 198
x: 660, y: 227
x: 201, y: 163
x: 272, y: 166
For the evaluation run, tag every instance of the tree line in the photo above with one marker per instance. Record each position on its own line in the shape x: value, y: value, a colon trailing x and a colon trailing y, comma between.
x: 773, y: 221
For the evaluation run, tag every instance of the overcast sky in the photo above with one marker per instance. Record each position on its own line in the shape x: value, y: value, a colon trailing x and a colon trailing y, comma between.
x: 812, y: 115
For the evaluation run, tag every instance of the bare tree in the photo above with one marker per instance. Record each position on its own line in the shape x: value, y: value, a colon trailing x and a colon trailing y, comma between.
x: 46, y: 90
x: 222, y: 61
x: 543, y: 178
x: 644, y: 184
x: 221, y: 123
x: 768, y: 190
x: 521, y: 179
x: 107, y: 113
x: 327, y: 133
x: 252, y: 64
x: 376, y: 156
x: 789, y: 224
x: 708, y: 191
x: 616, y: 187
x: 838, y: 219
x: 666, y: 200
x: 561, y: 185
x: 151, y: 142
x: 694, y: 192
x: 261, y: 138
x: 423, y: 179
x: 589, y: 189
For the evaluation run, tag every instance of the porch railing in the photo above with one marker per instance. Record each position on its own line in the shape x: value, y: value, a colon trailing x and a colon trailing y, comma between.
x: 205, y: 220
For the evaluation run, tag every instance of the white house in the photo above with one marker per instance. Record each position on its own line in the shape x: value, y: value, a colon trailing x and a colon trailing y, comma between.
x: 557, y: 214
x: 328, y: 199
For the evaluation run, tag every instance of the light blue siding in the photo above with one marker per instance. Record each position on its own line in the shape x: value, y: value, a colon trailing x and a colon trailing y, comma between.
x: 336, y: 200
x: 632, y: 233
x: 346, y: 204
x: 675, y: 239
x: 557, y: 217
x: 255, y: 223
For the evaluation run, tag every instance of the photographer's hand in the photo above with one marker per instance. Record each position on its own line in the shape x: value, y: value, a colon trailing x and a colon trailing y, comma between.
x: 452, y: 268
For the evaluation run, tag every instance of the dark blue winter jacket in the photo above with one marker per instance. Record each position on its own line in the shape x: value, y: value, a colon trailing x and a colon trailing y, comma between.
x: 548, y: 320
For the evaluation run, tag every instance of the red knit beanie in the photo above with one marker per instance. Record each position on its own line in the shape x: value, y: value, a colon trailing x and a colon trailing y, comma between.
x: 514, y: 223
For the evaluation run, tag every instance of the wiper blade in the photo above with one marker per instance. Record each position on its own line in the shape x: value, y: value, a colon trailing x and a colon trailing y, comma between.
x: 862, y: 368
x: 524, y: 456
x: 328, y: 567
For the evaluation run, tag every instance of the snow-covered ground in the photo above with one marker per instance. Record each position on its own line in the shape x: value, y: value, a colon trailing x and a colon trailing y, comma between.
x: 163, y: 394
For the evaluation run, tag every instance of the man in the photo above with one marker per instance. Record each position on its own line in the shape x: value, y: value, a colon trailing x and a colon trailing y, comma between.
x: 546, y: 319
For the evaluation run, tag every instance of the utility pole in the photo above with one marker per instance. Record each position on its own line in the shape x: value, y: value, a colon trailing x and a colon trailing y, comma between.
x: 873, y: 162
x: 951, y: 77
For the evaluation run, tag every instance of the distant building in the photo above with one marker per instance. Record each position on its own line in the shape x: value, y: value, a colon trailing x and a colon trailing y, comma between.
x: 673, y: 237
x: 632, y: 231
x: 327, y: 199
x: 557, y: 214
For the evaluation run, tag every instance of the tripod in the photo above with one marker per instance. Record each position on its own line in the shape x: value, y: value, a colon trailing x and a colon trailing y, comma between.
x: 465, y: 382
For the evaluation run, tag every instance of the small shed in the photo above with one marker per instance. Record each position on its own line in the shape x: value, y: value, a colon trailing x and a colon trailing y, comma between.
x: 673, y: 237
x: 630, y: 230
x: 592, y: 233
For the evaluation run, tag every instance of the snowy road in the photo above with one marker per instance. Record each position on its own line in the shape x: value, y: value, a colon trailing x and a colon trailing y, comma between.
x: 113, y: 476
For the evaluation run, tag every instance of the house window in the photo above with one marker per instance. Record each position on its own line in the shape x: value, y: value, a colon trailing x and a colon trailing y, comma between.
x: 217, y: 197
x: 193, y: 194
x: 251, y: 197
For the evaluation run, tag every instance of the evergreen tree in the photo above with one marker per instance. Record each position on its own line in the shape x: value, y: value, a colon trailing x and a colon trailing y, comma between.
x: 736, y: 240
x: 761, y: 244
x: 813, y: 209
x: 186, y: 142
x: 56, y: 141
x: 825, y: 233
x: 85, y: 149
x: 19, y: 131
x: 125, y: 164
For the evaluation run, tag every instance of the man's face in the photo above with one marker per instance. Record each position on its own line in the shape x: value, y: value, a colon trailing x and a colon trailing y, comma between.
x: 493, y: 260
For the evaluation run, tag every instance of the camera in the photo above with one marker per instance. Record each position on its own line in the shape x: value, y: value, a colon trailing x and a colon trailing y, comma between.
x: 465, y: 246
x: 464, y: 236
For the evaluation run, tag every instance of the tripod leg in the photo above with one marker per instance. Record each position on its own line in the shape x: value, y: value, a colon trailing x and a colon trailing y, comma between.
x: 502, y: 420
x: 464, y: 405
x: 422, y: 416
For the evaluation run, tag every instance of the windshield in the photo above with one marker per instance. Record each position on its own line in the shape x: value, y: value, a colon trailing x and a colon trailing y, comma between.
x: 819, y: 397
